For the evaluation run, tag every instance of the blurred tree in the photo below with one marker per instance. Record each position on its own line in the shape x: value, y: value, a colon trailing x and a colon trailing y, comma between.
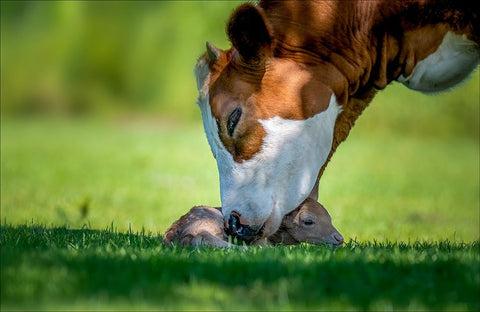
x: 96, y: 57
x: 71, y: 57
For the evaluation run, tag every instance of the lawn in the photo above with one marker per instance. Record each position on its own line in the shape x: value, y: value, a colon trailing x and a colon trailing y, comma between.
x: 85, y: 201
x: 59, y: 268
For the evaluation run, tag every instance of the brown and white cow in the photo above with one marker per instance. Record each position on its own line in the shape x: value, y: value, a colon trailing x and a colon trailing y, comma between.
x: 278, y: 103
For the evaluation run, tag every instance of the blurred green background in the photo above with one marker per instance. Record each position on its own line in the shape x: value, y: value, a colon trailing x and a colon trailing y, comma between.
x: 99, y: 126
x: 91, y: 57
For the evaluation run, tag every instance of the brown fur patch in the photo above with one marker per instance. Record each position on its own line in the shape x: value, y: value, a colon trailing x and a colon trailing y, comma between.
x: 316, y: 48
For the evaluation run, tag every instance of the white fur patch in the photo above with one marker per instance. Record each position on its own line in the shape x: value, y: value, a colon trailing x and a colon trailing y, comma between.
x: 450, y: 64
x: 281, y: 175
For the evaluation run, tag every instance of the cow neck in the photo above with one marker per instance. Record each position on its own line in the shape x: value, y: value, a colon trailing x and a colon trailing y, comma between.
x: 349, y: 93
x: 358, y: 48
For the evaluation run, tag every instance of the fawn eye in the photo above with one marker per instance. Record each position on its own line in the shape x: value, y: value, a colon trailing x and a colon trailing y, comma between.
x: 233, y: 120
x: 308, y: 222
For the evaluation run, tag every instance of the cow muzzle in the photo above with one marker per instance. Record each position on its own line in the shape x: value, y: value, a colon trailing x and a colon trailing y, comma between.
x: 244, y: 232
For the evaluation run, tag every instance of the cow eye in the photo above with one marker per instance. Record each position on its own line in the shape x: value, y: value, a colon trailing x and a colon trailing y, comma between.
x: 308, y: 222
x: 233, y: 120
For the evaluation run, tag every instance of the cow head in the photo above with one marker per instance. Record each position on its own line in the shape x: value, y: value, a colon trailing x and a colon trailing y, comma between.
x: 269, y: 124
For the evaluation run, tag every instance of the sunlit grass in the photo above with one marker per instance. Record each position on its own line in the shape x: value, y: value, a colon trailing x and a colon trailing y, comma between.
x: 138, y: 174
x: 86, y: 172
x: 397, y: 177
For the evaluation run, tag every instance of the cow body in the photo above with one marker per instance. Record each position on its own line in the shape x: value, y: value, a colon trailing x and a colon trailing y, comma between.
x: 278, y: 103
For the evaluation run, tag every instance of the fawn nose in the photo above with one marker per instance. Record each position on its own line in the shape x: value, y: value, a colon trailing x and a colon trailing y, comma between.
x: 242, y: 231
x: 337, y: 238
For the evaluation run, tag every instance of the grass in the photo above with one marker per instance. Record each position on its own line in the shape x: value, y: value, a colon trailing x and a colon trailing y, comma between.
x: 398, y: 176
x: 140, y: 175
x: 53, y: 172
x: 105, y: 269
x: 84, y: 203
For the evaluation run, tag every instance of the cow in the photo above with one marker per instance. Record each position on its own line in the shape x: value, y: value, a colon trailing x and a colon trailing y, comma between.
x: 276, y: 105
x: 204, y: 226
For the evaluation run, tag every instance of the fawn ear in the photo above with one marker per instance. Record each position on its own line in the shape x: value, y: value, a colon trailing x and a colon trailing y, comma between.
x: 250, y: 33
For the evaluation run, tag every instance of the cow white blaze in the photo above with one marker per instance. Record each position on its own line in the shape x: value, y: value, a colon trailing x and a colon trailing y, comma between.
x: 283, y: 172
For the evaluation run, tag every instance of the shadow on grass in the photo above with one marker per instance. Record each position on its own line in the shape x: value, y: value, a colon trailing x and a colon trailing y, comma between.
x: 89, y: 265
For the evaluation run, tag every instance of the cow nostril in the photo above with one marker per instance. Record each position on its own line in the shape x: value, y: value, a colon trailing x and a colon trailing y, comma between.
x: 233, y: 224
x: 242, y: 231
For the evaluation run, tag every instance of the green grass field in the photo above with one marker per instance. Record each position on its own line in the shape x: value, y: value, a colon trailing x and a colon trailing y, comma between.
x: 409, y: 170
x: 84, y: 203
x: 65, y: 269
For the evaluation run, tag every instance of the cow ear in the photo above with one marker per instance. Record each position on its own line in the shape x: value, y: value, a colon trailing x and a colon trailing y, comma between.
x: 213, y: 53
x: 250, y: 33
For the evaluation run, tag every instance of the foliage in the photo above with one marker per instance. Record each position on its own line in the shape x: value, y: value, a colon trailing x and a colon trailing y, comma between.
x: 114, y: 57
x: 84, y: 57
